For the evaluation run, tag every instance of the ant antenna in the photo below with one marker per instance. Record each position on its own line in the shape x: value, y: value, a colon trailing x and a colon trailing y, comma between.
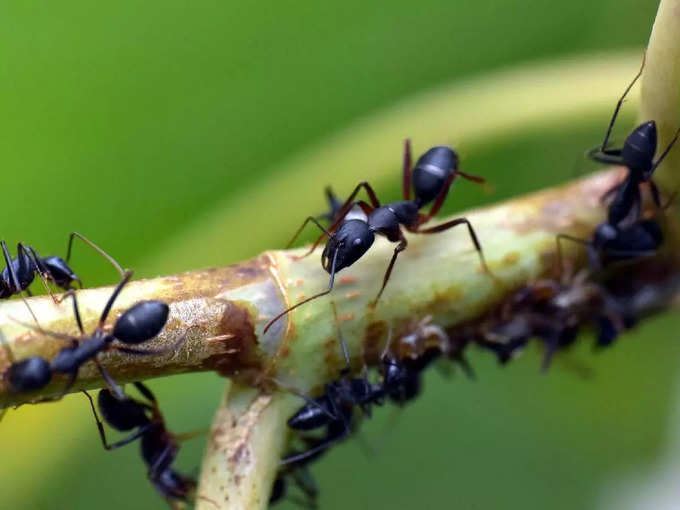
x: 603, y: 148
x: 311, y: 298
x: 343, y: 345
x: 92, y: 245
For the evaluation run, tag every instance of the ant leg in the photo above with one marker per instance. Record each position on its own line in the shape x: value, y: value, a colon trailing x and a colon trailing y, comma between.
x: 323, y: 445
x: 664, y: 153
x: 439, y: 201
x: 113, y: 386
x: 656, y: 196
x: 611, y: 157
x: 400, y: 247
x: 471, y: 231
x: 406, y: 172
x: 43, y: 273
x: 114, y: 295
x: 318, y: 240
x: 144, y: 390
x: 14, y: 281
x: 76, y: 310
x: 469, y: 177
x: 603, y: 147
x: 311, y: 298
x: 560, y: 257
x: 92, y: 245
x: 100, y: 426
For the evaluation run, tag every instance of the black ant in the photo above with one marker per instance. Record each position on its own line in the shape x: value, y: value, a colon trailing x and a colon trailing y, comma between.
x: 20, y: 271
x: 350, y: 239
x: 138, y: 324
x: 159, y: 446
x: 637, y: 155
x: 610, y: 243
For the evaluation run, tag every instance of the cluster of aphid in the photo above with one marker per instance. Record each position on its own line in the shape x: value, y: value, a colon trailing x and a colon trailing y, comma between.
x: 549, y: 310
x: 137, y: 325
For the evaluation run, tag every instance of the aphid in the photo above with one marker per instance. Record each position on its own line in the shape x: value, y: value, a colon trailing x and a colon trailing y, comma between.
x: 350, y: 239
x: 553, y: 312
x: 159, y: 446
x: 136, y: 325
x: 20, y: 271
x: 637, y: 155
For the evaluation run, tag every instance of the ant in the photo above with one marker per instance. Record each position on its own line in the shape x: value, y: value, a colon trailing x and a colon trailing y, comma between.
x: 20, y: 271
x: 612, y: 242
x: 350, y: 239
x: 334, y: 408
x: 138, y: 324
x: 637, y: 155
x: 159, y: 446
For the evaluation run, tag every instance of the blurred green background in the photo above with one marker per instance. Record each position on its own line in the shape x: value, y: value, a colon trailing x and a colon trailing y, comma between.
x: 145, y: 125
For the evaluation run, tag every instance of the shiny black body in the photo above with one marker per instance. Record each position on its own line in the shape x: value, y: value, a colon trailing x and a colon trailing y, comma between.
x: 138, y: 324
x: 637, y: 155
x: 350, y: 238
x: 20, y: 271
x: 158, y: 446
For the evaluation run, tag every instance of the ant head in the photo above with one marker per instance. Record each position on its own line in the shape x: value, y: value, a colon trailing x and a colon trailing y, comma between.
x: 31, y: 374
x: 431, y: 172
x: 348, y: 244
x: 639, y: 148
x: 142, y: 322
x: 122, y: 415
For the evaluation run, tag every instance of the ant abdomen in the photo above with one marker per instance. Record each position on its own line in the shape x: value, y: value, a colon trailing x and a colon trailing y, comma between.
x: 121, y: 414
x: 141, y: 322
x: 431, y: 172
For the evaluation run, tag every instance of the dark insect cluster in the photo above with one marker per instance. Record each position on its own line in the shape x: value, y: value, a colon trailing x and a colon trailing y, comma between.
x: 158, y: 445
x: 551, y: 311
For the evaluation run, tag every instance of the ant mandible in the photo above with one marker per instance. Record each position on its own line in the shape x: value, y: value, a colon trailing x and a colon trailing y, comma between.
x: 138, y: 324
x: 637, y: 155
x: 20, y: 271
x: 350, y: 239
x: 159, y: 446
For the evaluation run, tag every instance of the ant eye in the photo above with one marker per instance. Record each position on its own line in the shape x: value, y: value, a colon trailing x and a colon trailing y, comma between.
x: 357, y: 241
